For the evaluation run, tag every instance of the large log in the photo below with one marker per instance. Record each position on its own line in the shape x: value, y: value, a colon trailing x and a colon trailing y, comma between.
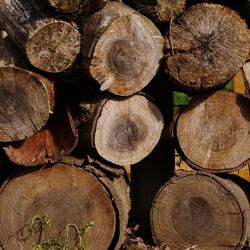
x: 213, y: 131
x: 26, y: 98
x: 66, y: 195
x: 122, y: 130
x: 49, y: 145
x: 200, y: 210
x: 50, y: 44
x: 159, y: 10
x: 121, y: 49
x: 206, y: 46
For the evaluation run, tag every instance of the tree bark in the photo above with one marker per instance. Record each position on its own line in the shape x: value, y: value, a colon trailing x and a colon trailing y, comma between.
x: 27, y: 98
x: 122, y: 130
x: 213, y: 131
x: 121, y: 49
x: 49, y: 44
x: 206, y: 46
x: 57, y: 139
x: 158, y: 10
x: 65, y: 195
x: 200, y: 210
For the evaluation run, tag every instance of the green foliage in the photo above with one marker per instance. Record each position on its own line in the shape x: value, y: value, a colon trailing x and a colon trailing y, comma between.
x: 181, y: 99
x: 39, y: 224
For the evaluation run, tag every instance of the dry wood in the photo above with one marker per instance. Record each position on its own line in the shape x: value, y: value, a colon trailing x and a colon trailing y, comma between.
x: 27, y: 98
x: 67, y: 195
x: 123, y: 130
x: 158, y: 10
x: 50, y: 45
x: 57, y: 139
x: 206, y: 46
x: 121, y: 49
x: 213, y: 131
x: 246, y: 71
x: 65, y: 5
x: 200, y: 211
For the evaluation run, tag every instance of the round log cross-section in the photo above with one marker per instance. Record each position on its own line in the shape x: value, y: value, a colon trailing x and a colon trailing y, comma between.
x: 24, y: 103
x: 64, y: 194
x: 50, y: 45
x: 200, y: 211
x: 121, y: 49
x: 206, y: 46
x: 213, y: 131
x: 65, y: 5
x: 128, y: 130
x: 158, y: 10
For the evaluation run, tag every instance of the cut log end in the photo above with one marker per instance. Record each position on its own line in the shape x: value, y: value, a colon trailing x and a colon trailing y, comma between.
x: 202, y: 210
x: 217, y: 126
x: 65, y: 195
x: 65, y: 5
x: 170, y: 9
x: 53, y: 47
x: 128, y: 130
x: 24, y: 104
x: 128, y: 51
x: 206, y: 46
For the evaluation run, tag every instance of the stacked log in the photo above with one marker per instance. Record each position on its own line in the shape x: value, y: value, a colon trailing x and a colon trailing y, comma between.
x: 71, y: 145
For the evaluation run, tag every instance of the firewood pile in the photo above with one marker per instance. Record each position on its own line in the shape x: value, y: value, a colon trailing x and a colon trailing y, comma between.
x: 88, y: 131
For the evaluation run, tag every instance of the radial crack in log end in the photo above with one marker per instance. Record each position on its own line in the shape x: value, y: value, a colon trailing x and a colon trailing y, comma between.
x: 211, y: 40
x: 53, y: 47
x: 213, y: 131
x: 124, y: 46
x: 200, y: 209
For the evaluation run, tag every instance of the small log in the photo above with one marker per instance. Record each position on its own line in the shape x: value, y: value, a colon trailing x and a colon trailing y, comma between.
x: 57, y: 139
x: 200, y: 210
x: 158, y: 10
x: 121, y: 49
x: 49, y: 44
x: 122, y: 130
x: 65, y: 5
x: 213, y: 131
x: 246, y: 71
x: 66, y: 195
x: 206, y: 46
x: 26, y: 98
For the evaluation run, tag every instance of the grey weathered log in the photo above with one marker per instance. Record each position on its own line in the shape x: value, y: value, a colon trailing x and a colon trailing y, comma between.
x: 50, y: 44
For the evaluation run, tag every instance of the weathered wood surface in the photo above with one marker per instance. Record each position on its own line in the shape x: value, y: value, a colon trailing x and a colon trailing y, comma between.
x: 206, y: 46
x: 50, y: 44
x: 158, y: 10
x: 66, y: 195
x: 57, y: 139
x: 122, y: 130
x: 200, y: 210
x: 27, y: 98
x: 121, y: 49
x: 213, y: 131
x: 246, y: 71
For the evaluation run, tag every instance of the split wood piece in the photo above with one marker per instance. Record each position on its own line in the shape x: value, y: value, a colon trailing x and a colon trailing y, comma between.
x: 50, y: 45
x: 121, y: 49
x: 119, y: 190
x: 159, y: 10
x: 206, y: 46
x: 200, y: 210
x: 213, y: 131
x: 49, y: 145
x: 123, y: 130
x: 66, y: 195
